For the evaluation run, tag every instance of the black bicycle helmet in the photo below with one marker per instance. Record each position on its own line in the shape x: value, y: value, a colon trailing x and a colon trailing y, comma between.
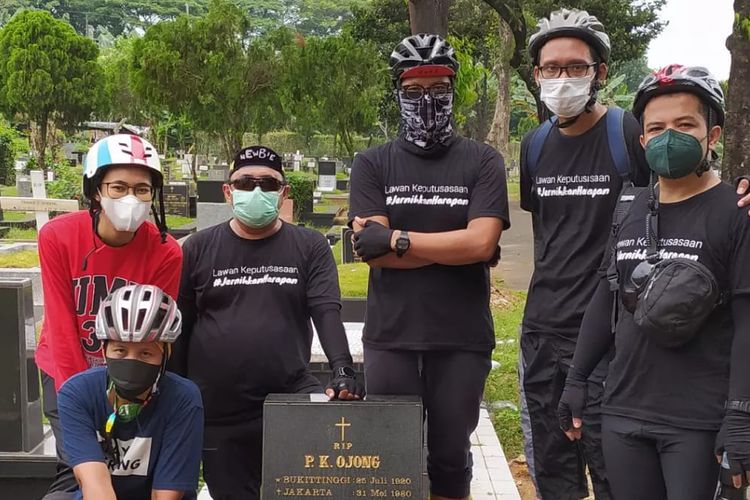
x: 422, y: 55
x: 570, y: 23
x: 676, y: 78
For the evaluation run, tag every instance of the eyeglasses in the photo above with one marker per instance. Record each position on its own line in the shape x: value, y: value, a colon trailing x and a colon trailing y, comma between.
x: 115, y: 190
x: 247, y: 183
x: 437, y: 91
x: 572, y: 70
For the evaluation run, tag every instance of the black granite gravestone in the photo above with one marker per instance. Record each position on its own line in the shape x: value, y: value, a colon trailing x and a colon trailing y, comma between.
x: 342, y: 450
x: 20, y: 404
x: 176, y: 199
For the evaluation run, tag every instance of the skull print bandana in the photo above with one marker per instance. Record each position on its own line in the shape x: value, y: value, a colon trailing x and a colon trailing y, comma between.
x: 426, y: 121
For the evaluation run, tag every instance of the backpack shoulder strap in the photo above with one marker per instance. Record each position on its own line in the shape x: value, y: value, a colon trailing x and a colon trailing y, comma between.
x: 536, y: 144
x: 624, y: 203
x: 617, y: 145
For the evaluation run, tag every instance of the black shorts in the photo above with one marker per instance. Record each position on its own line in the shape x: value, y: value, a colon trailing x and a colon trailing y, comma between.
x: 451, y: 385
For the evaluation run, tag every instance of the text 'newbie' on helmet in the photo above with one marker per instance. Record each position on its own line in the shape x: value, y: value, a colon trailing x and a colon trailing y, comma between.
x: 573, y: 23
x: 138, y: 313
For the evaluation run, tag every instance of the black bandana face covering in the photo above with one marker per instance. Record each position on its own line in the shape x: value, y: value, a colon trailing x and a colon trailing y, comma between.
x: 427, y: 121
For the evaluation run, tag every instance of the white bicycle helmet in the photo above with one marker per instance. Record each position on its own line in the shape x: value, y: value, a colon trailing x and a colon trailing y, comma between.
x: 120, y: 150
x: 139, y: 313
x: 570, y: 23
x: 422, y: 55
x: 676, y: 78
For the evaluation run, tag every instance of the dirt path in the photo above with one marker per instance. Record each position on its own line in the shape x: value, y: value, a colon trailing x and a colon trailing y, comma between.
x: 517, y: 244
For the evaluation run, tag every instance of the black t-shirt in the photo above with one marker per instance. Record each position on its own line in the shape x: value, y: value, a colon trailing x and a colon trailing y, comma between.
x: 246, y: 310
x: 436, y: 306
x: 572, y: 198
x: 684, y: 387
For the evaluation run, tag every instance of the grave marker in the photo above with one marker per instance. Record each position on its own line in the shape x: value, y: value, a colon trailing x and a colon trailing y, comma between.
x: 177, y: 199
x: 347, y: 247
x: 38, y: 190
x: 326, y: 175
x: 340, y: 449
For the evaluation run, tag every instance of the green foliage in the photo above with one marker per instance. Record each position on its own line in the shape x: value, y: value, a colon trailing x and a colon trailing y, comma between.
x: 523, y: 108
x: 8, y: 144
x: 175, y: 221
x: 21, y: 234
x: 67, y: 184
x: 468, y: 79
x: 333, y: 85
x: 742, y: 24
x: 634, y: 70
x: 615, y: 92
x: 208, y: 69
x: 50, y: 73
x: 301, y: 187
x: 314, y: 146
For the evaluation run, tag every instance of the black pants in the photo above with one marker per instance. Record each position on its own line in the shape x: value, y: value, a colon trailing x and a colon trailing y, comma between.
x: 658, y: 462
x: 451, y: 384
x: 556, y: 464
x: 65, y: 480
x: 233, y: 454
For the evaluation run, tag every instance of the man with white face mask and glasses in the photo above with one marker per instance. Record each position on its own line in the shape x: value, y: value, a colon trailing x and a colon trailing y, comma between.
x: 85, y: 256
x: 572, y: 169
x: 249, y: 288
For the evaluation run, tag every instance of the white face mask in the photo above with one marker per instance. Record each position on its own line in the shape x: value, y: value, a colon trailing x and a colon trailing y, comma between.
x: 566, y: 97
x: 126, y: 213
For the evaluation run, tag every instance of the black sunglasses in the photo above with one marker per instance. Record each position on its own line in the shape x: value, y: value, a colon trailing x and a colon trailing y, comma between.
x: 248, y: 183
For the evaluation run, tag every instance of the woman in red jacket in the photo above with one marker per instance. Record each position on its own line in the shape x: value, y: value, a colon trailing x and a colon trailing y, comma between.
x: 85, y: 256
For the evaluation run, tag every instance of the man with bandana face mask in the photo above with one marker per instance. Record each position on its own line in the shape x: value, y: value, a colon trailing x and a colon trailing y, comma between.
x: 428, y: 210
x: 249, y: 288
x: 133, y: 431
x: 84, y: 256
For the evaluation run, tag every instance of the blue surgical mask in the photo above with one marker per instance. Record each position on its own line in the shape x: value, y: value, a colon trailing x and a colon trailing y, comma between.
x: 257, y: 208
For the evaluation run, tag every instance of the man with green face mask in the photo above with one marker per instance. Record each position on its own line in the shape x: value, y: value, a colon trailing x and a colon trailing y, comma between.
x: 678, y: 387
x: 249, y: 288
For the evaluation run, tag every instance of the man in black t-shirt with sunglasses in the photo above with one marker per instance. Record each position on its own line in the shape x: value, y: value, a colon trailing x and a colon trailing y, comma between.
x: 249, y: 288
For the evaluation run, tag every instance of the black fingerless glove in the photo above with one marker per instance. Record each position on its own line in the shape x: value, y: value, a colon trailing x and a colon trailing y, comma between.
x: 734, y: 439
x: 344, y: 378
x: 573, y: 399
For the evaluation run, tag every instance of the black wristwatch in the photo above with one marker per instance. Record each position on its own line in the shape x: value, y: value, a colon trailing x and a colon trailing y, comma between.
x: 743, y: 406
x: 344, y: 372
x: 402, y: 243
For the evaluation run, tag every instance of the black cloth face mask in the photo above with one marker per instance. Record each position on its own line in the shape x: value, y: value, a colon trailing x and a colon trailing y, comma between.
x: 132, y: 377
x: 427, y: 120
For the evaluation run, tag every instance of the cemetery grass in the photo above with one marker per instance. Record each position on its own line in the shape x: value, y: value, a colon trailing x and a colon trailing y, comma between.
x: 16, y: 216
x: 16, y: 233
x: 22, y: 259
x: 8, y: 191
x: 175, y: 221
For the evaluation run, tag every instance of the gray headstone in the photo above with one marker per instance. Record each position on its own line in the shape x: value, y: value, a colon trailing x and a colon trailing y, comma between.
x: 218, y: 174
x: 20, y: 402
x: 342, y: 450
x: 210, y: 214
x: 23, y: 183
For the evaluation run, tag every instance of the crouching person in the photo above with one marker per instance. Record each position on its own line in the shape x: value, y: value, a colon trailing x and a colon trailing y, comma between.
x: 133, y: 430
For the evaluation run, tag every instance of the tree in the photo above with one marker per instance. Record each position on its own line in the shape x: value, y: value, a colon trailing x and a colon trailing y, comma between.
x: 334, y: 85
x: 429, y: 16
x: 737, y: 141
x: 49, y: 74
x: 207, y: 69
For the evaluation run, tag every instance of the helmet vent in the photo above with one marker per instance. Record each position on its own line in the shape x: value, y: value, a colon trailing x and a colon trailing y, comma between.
x: 139, y: 319
x: 147, y: 295
x: 108, y: 317
x: 125, y: 318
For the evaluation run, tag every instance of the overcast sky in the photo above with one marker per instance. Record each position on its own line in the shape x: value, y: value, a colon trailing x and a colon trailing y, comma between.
x: 695, y: 36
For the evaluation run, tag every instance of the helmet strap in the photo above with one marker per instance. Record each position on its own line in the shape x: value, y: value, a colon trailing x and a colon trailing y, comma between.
x: 708, y: 160
x: 160, y: 215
